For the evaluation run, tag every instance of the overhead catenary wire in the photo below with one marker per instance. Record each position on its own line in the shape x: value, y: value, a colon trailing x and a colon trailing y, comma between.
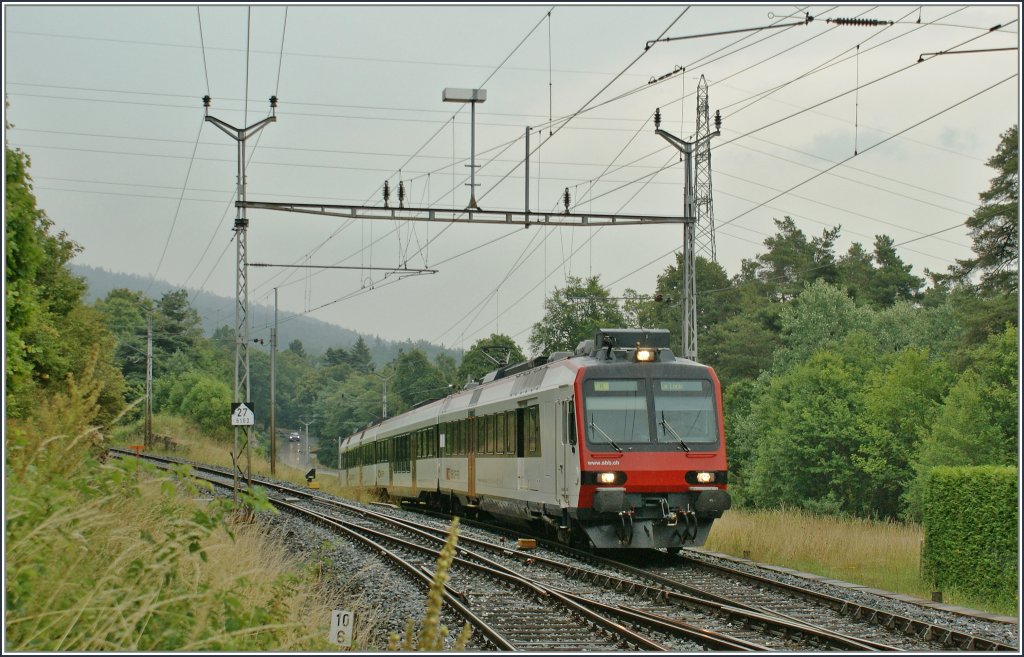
x: 607, y: 167
x: 177, y: 211
x: 836, y: 165
x: 871, y: 147
x: 407, y: 248
x: 481, y: 85
x: 202, y: 45
x: 460, y: 108
x: 280, y: 55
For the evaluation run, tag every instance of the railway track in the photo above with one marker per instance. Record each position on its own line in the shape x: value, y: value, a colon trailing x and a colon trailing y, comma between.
x: 844, y: 616
x: 559, y: 599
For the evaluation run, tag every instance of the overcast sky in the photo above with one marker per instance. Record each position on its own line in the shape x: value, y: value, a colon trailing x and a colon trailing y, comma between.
x: 107, y: 102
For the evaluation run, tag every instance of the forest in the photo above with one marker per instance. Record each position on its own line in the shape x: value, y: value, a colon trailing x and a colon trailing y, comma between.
x: 846, y: 376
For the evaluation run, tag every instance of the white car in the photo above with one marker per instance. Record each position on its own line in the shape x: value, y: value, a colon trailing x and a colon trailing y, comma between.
x: 294, y: 437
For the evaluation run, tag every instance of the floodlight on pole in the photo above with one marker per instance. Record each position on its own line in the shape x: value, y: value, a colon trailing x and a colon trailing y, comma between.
x: 471, y: 96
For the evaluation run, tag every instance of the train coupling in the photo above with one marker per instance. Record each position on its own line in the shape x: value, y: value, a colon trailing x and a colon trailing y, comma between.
x: 668, y: 517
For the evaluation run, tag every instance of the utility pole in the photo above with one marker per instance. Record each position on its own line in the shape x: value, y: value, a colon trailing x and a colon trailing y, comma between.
x: 148, y: 438
x: 312, y: 419
x: 273, y: 391
x: 526, y: 166
x: 689, y: 322
x: 240, y: 135
x: 385, y: 380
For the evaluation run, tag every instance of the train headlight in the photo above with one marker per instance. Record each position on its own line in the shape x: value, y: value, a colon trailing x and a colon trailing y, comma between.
x: 645, y: 355
x: 705, y: 477
x: 593, y: 478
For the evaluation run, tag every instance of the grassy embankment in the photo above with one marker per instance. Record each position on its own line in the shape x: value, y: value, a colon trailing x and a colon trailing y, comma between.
x: 110, y: 555
x: 195, y: 446
x: 883, y: 555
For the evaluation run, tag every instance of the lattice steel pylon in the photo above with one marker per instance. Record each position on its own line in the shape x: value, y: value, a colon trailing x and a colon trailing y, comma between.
x: 705, y: 238
x: 689, y: 273
x: 242, y: 389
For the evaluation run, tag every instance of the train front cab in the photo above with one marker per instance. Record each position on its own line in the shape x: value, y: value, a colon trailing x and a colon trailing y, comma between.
x: 652, y: 453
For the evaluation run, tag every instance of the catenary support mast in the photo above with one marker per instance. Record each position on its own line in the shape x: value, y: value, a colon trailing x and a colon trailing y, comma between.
x: 240, y: 135
x: 689, y: 300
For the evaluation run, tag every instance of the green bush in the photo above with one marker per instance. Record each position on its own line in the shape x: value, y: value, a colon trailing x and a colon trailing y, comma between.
x: 970, y: 523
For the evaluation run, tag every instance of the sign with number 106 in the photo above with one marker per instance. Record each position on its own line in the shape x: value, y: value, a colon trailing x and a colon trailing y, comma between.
x: 341, y: 627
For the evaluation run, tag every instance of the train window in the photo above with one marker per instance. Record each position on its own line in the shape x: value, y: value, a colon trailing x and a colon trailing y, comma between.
x: 520, y: 432
x: 499, y: 440
x: 532, y: 431
x: 401, y: 450
x: 510, y: 432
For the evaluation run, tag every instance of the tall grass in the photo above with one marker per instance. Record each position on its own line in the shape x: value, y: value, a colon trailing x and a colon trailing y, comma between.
x: 114, y: 556
x: 877, y: 554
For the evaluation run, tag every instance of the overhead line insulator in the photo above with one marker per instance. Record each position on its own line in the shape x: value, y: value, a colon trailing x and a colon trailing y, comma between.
x: 859, y: 22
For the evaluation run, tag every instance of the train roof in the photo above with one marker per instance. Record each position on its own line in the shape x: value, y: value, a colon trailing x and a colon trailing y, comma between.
x: 521, y: 380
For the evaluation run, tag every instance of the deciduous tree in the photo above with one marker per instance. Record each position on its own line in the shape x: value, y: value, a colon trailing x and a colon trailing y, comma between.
x: 488, y: 354
x: 574, y: 313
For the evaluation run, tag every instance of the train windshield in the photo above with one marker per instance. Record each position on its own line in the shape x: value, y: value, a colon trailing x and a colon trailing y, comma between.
x: 684, y: 411
x: 617, y: 412
x: 650, y: 414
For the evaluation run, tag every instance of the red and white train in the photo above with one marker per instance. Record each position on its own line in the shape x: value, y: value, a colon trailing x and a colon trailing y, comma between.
x: 618, y: 445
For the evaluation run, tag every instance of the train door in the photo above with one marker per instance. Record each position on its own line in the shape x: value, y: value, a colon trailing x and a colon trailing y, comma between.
x: 392, y: 455
x: 521, y: 447
x: 439, y: 443
x: 471, y: 457
x: 565, y: 450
